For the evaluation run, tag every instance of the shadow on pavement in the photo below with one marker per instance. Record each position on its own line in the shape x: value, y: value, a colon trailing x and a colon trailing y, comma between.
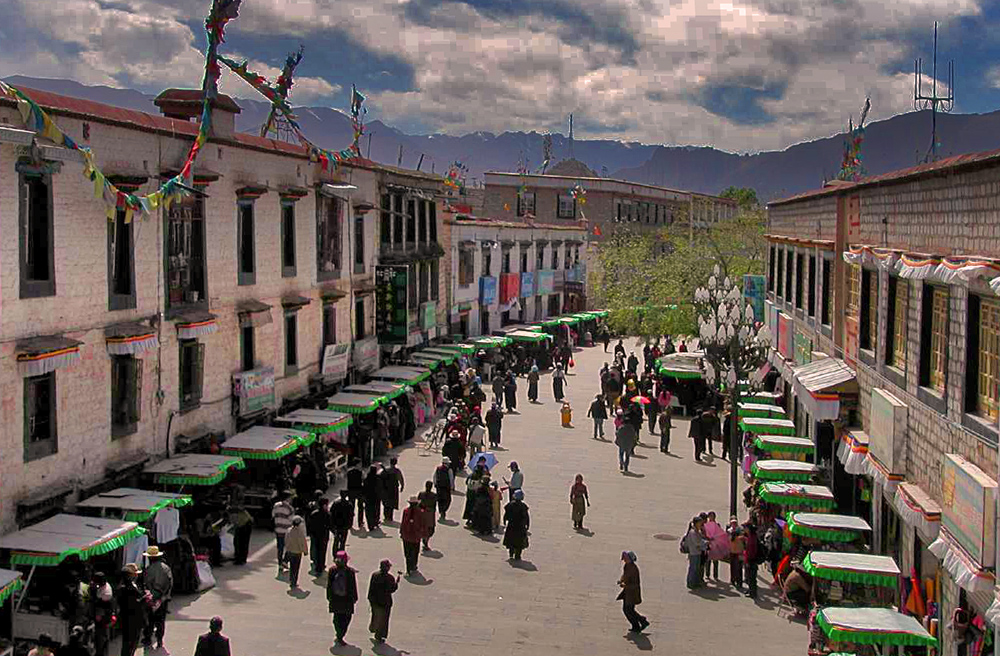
x: 385, y: 649
x: 585, y: 532
x: 525, y: 565
x: 298, y: 593
x: 431, y: 553
x: 345, y: 650
x: 646, y: 446
x: 640, y: 640
x: 636, y: 456
x: 633, y: 474
x: 448, y: 522
x: 416, y: 578
x: 704, y: 463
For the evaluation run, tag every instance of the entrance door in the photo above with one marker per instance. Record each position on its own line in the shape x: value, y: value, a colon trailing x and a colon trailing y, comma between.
x: 484, y: 322
x: 463, y: 325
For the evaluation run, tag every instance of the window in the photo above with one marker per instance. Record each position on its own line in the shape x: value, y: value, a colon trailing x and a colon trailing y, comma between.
x: 555, y: 257
x: 247, y: 355
x: 466, y: 262
x: 40, y: 437
x: 853, y: 290
x: 291, y: 344
x: 411, y: 222
x: 895, y: 351
x: 524, y: 259
x: 422, y: 222
x: 359, y: 318
x: 811, y: 301
x: 385, y: 221
x: 618, y: 211
x: 424, y: 271
x: 121, y: 269
x: 934, y: 338
x: 526, y: 203
x: 869, y: 309
x: 435, y: 279
x: 432, y: 220
x: 329, y: 214
x: 38, y: 274
x: 359, y: 244
x: 329, y: 324
x: 397, y: 220
x: 988, y: 358
x: 770, y: 268
x: 565, y: 206
x: 487, y: 262
x: 185, y: 249
x: 780, y: 278
x: 789, y: 256
x: 799, y: 282
x: 245, y: 246
x: 505, y: 262
x: 192, y: 362
x: 288, y: 240
x: 827, y: 291
x: 126, y: 394
x: 411, y: 286
x: 539, y: 257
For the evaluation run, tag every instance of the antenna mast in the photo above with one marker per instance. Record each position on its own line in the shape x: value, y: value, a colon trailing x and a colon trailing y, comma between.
x: 571, y: 136
x: 933, y: 102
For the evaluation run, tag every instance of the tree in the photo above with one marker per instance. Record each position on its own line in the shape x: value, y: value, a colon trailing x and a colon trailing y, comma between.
x: 744, y: 196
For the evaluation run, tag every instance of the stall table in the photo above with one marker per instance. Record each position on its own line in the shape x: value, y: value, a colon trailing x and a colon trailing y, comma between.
x: 797, y: 495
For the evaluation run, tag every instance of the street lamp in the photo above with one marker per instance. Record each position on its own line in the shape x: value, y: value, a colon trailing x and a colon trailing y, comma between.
x: 735, y: 346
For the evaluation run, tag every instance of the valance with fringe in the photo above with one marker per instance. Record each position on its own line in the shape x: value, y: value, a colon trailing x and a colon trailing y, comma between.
x: 882, y: 476
x: 924, y: 266
x: 967, y: 573
x: 853, y: 452
x: 919, y: 510
x: 130, y: 339
x: 193, y: 325
x: 41, y: 355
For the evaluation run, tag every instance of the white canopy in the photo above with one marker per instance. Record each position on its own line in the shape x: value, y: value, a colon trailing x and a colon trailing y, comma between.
x: 793, y: 466
x: 132, y: 500
x: 854, y: 562
x: 51, y: 541
x: 831, y: 522
x: 264, y: 438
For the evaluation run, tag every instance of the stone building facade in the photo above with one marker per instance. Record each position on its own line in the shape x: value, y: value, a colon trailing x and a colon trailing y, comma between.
x: 888, y: 286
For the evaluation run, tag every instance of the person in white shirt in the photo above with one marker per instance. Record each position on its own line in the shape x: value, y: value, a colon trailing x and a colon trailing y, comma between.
x: 516, y: 481
x: 282, y: 513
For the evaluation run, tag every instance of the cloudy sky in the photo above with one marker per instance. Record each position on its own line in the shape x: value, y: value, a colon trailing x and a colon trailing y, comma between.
x: 742, y: 76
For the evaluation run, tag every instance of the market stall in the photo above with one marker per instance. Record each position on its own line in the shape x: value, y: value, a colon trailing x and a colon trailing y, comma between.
x: 461, y: 347
x: 682, y: 375
x: 197, y: 469
x: 770, y: 398
x: 492, y: 342
x: 53, y: 551
x: 328, y: 432
x: 407, y: 375
x: 783, y: 447
x: 827, y: 527
x: 389, y: 391
x: 859, y: 630
x: 854, y: 578
x: 267, y: 453
x: 157, y: 512
x: 761, y: 410
x: 10, y: 583
x: 797, y: 495
x: 784, y: 470
x: 759, y: 426
x: 431, y: 360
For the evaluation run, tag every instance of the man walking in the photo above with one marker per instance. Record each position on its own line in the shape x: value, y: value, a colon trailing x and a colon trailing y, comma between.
x: 392, y: 486
x: 131, y: 609
x: 281, y: 513
x: 318, y: 528
x: 625, y: 439
x: 213, y: 643
x: 516, y: 481
x: 444, y: 481
x: 341, y: 520
x: 380, y: 589
x: 295, y: 549
x: 159, y: 582
x: 411, y: 530
x: 598, y: 412
x: 341, y: 594
x: 355, y: 491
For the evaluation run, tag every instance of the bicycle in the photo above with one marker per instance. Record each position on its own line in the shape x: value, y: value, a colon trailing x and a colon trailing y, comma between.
x: 435, y: 437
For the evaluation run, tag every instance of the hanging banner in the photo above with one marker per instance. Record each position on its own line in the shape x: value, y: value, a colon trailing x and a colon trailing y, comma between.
x: 803, y: 348
x: 390, y: 303
x: 253, y: 391
x: 428, y: 315
x: 487, y: 290
x: 545, y: 281
x: 335, y: 359
x: 364, y: 355
x: 754, y: 289
x: 968, y: 508
x: 527, y: 284
x: 785, y: 336
x: 510, y: 285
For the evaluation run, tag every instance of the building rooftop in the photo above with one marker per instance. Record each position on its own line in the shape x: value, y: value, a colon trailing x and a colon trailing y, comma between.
x: 463, y: 219
x: 592, y: 182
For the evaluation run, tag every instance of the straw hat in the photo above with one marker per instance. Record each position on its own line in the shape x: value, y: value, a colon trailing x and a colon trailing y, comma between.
x: 152, y: 552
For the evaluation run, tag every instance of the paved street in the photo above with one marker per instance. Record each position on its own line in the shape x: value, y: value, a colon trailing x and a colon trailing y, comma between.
x: 560, y: 599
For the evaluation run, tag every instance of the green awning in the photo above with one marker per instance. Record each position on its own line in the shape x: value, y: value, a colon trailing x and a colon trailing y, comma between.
x: 867, y: 569
x: 551, y: 323
x: 455, y: 351
x: 424, y: 361
x: 798, y: 495
x: 316, y: 422
x: 444, y: 358
x: 873, y: 626
x: 52, y: 541
x: 784, y: 444
x: 534, y: 329
x: 408, y: 375
x: 569, y: 321
x: 759, y: 426
x: 355, y: 404
x: 528, y: 336
x: 194, y: 469
x: 264, y: 443
x: 136, y: 505
x: 762, y: 411
x: 388, y: 390
x: 491, y: 342
x: 827, y: 527
x: 10, y: 582
x: 685, y: 366
x: 783, y: 470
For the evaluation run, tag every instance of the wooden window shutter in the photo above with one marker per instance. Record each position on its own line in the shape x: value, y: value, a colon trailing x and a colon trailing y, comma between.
x: 199, y: 372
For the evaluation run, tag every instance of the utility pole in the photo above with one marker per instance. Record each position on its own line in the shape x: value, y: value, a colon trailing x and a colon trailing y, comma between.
x: 933, y: 102
x: 420, y: 161
x: 399, y: 158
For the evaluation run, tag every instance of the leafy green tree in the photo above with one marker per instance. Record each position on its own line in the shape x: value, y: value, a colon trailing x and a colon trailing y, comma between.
x: 744, y: 196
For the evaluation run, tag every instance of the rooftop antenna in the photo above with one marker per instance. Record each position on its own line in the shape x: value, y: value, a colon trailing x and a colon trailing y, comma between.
x: 933, y: 102
x: 571, y: 136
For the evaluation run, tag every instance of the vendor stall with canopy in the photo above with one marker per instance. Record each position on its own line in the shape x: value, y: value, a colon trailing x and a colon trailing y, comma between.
x: 846, y: 628
x: 355, y: 403
x: 827, y: 527
x: 529, y: 336
x: 491, y: 342
x: 759, y: 426
x: 382, y: 388
x: 193, y: 469
x: 323, y: 425
x: 797, y: 495
x: 461, y: 347
x: 784, y: 470
x: 783, y: 444
x: 687, y: 365
x: 132, y: 504
x: 265, y: 443
x: 761, y: 410
x: 867, y: 569
x: 407, y: 375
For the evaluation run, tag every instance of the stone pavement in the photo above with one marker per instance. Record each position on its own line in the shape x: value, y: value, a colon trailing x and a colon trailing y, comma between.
x: 560, y: 599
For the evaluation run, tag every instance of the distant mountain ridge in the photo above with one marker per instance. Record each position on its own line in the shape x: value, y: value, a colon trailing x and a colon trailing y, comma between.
x: 894, y: 143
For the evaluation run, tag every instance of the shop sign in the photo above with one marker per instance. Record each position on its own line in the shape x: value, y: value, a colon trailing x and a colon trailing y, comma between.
x: 803, y: 348
x: 886, y: 422
x: 754, y: 288
x: 253, y: 390
x: 785, y: 335
x: 391, y: 303
x: 335, y: 358
x: 527, y: 284
x: 364, y: 355
x: 428, y: 315
x: 968, y: 508
x: 546, y: 282
x: 487, y: 290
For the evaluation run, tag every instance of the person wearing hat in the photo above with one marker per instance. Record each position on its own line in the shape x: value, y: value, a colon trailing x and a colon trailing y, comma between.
x: 380, y: 589
x: 131, y: 609
x: 341, y: 594
x: 444, y: 481
x: 517, y: 520
x: 45, y: 646
x: 159, y: 582
x: 392, y: 486
x: 598, y: 411
x: 341, y: 520
x: 631, y: 594
x: 281, y: 513
x: 100, y: 608
x: 411, y: 531
x: 533, y: 377
x: 428, y: 504
x: 77, y: 645
x: 213, y: 643
x: 295, y: 548
x: 454, y: 450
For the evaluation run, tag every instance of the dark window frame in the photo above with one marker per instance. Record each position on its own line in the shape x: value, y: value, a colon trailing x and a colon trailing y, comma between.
x: 397, y: 221
x: 121, y: 234
x: 435, y: 283
x: 248, y: 348
x: 329, y: 317
x: 291, y: 336
x: 36, y: 449
x: 432, y: 221
x: 826, y: 311
x: 868, y: 304
x: 811, y: 300
x: 927, y: 299
x: 190, y: 212
x: 334, y: 253
x: 560, y: 213
x: 359, y: 244
x: 360, y: 324
x: 288, y: 253
x: 799, y: 280
x: 770, y: 268
x: 127, y: 370
x: 192, y: 353
x: 890, y: 323
x: 411, y: 223
x: 385, y: 221
x: 789, y: 263
x: 29, y: 287
x: 422, y: 222
x: 779, y: 288
x: 246, y: 238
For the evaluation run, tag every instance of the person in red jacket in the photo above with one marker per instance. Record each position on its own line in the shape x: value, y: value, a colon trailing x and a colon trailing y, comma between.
x: 411, y: 530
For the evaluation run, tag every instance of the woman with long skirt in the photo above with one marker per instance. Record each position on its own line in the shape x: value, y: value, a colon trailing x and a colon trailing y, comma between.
x: 533, y: 384
x: 373, y: 497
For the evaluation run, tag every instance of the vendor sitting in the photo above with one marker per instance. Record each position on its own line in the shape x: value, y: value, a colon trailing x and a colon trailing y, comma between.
x: 798, y: 587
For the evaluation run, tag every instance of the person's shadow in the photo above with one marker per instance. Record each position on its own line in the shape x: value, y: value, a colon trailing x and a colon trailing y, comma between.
x: 633, y: 474
x: 416, y: 578
x: 345, y: 650
x: 586, y: 532
x: 448, y: 522
x: 298, y: 593
x: 525, y: 565
x: 640, y: 640
x: 385, y: 649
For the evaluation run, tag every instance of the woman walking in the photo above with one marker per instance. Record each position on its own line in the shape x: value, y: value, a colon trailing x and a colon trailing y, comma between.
x: 373, y: 497
x: 718, y: 546
x: 666, y: 423
x: 558, y: 381
x: 428, y: 501
x: 631, y: 594
x: 693, y: 544
x: 444, y: 481
x: 533, y: 384
x: 494, y: 423
x: 579, y: 500
x: 510, y: 392
x: 515, y: 516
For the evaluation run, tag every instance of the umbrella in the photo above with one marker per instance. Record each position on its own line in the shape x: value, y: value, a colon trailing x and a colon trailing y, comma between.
x: 491, y: 460
x: 644, y: 400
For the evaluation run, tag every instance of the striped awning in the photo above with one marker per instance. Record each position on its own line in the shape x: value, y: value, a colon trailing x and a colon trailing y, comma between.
x: 40, y: 355
x: 130, y: 338
x: 194, y: 324
x: 253, y: 313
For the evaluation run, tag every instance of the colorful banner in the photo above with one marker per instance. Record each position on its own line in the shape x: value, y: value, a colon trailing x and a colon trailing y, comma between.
x: 803, y: 348
x: 335, y: 359
x: 785, y: 336
x: 968, y: 508
x: 254, y: 390
x: 487, y: 291
x: 510, y: 286
x: 546, y: 281
x: 527, y: 284
x: 391, y: 298
x: 754, y: 291
x: 282, y: 87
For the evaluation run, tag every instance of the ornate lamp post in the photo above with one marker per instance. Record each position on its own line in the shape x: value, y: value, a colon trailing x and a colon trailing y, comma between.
x: 735, y: 346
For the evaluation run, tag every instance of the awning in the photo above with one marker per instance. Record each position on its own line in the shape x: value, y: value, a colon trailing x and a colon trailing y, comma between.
x: 873, y: 626
x: 491, y: 342
x: 818, y: 383
x: 964, y: 570
x: 853, y: 452
x: 438, y: 350
x: 436, y: 356
x: 136, y: 505
x: 465, y: 349
x: 784, y: 470
x: 328, y: 423
x: 253, y: 313
x: 681, y: 365
x: 759, y: 426
x: 355, y: 404
x: 784, y: 444
x: 797, y: 495
x: 294, y: 302
x: 331, y: 293
x: 425, y: 360
x: 918, y: 509
x: 130, y: 338
x: 194, y: 324
x: 827, y: 527
x: 882, y: 476
x: 382, y: 388
x: 10, y: 582
x: 528, y: 336
x: 992, y: 613
x: 866, y: 569
x: 409, y: 375
x: 769, y: 398
x: 193, y: 469
x: 762, y: 411
x: 265, y: 443
x: 40, y: 355
x: 52, y: 541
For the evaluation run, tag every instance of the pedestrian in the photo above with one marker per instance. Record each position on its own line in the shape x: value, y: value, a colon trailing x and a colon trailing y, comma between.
x: 633, y: 363
x: 131, y: 609
x: 77, y: 644
x: 411, y: 531
x: 682, y: 348
x: 517, y: 520
x: 727, y: 433
x: 428, y: 503
x: 533, y: 384
x: 101, y: 606
x: 475, y: 434
x: 579, y: 499
x: 356, y: 492
x: 373, y: 497
x: 494, y: 424
x: 666, y: 424
x: 516, y: 481
x: 631, y: 594
x: 213, y: 643
x: 737, y: 545
x: 341, y: 520
x: 598, y: 412
x: 498, y: 385
x: 510, y: 392
x: 711, y: 428
x: 392, y: 487
x: 341, y: 594
x: 318, y: 530
x: 281, y: 513
x: 652, y: 411
x: 444, y: 481
x: 696, y: 433
x: 454, y: 450
x: 380, y: 589
x: 558, y: 382
x: 751, y: 557
x: 295, y: 549
x: 496, y: 499
x: 625, y: 440
x: 158, y: 581
x: 693, y: 545
x: 620, y: 349
x: 718, y: 545
x: 606, y: 338
x: 242, y: 529
x: 46, y: 645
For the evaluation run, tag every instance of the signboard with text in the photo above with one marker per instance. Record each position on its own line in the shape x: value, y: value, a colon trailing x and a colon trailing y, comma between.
x: 886, y: 428
x: 364, y: 355
x: 968, y: 508
x: 754, y: 291
x: 391, y: 303
x: 546, y: 282
x: 253, y: 390
x: 335, y: 359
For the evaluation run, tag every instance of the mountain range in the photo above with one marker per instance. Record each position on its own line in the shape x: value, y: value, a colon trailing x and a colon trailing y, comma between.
x: 894, y: 143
